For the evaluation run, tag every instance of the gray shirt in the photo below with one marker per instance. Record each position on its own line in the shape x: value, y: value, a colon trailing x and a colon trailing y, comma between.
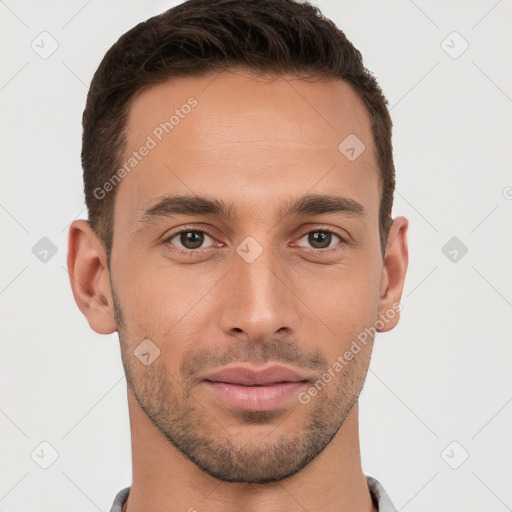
x: 380, y: 498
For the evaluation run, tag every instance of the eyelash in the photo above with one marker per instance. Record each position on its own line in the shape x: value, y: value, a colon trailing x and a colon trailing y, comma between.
x: 192, y: 252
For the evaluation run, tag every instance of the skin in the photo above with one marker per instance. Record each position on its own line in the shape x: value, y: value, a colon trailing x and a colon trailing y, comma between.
x: 258, y: 144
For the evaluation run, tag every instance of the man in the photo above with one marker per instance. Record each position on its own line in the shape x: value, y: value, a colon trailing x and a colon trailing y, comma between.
x: 239, y: 180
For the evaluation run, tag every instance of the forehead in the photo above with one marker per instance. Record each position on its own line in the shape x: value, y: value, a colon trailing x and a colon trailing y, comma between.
x: 245, y: 138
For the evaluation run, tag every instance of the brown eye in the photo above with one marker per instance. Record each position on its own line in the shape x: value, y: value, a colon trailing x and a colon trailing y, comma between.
x: 320, y: 239
x: 188, y: 239
x: 191, y: 239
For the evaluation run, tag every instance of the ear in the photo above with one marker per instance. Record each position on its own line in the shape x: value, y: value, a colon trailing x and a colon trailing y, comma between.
x: 396, y: 260
x: 89, y: 276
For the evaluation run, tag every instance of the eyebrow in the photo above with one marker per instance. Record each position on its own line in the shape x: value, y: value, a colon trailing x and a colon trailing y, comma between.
x: 311, y: 204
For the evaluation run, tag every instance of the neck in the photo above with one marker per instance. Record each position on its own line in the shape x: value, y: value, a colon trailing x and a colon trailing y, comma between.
x: 164, y: 479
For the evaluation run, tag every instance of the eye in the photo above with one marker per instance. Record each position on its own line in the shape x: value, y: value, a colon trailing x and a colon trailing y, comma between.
x: 321, y: 238
x: 188, y: 239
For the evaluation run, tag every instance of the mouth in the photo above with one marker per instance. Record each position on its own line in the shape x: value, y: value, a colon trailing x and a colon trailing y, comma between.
x: 251, y: 389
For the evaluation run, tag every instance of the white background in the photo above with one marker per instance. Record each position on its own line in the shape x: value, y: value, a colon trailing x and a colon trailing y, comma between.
x: 443, y: 375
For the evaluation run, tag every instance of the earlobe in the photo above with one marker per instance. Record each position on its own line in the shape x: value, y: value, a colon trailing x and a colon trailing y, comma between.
x: 89, y: 277
x: 396, y: 260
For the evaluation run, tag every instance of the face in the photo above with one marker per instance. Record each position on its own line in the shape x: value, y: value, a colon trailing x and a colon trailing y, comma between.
x: 245, y: 266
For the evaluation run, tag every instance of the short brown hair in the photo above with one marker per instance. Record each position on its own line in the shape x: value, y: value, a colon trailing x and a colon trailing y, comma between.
x: 202, y: 36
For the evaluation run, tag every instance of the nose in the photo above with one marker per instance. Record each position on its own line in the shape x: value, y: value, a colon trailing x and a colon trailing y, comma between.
x: 259, y: 299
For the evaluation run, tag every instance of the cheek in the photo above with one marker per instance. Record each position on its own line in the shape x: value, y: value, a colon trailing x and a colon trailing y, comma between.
x: 351, y: 290
x: 348, y: 306
x: 166, y: 306
x: 145, y: 302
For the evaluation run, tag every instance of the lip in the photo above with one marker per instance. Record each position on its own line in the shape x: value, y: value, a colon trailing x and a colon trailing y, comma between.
x: 252, y: 389
x: 251, y: 376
